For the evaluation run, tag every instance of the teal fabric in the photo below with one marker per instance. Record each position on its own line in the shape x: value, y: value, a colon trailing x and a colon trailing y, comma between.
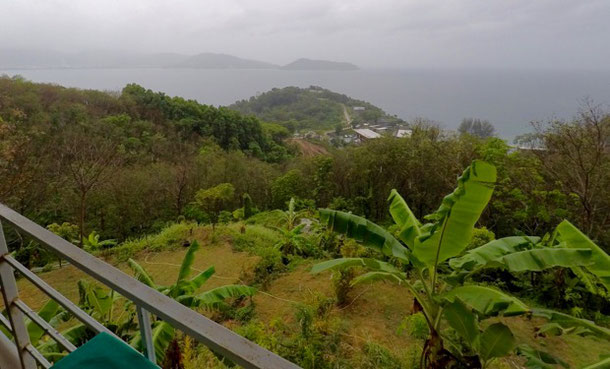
x: 105, y: 352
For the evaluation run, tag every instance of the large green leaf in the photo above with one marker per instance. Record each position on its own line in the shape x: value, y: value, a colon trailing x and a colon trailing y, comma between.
x: 462, y: 320
x: 96, y: 299
x: 575, y: 239
x: 162, y: 335
x: 540, y: 259
x: 454, y: 221
x: 344, y: 263
x: 377, y: 276
x: 568, y: 321
x: 140, y: 273
x: 187, y: 262
x: 214, y: 297
x: 537, y: 359
x: 492, y: 251
x: 404, y: 218
x: 487, y: 300
x: 197, y: 281
x: 364, y: 231
x: 47, y: 312
x: 496, y: 341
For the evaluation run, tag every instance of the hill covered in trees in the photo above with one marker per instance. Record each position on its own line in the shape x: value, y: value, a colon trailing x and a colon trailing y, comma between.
x: 310, y: 108
x: 521, y: 232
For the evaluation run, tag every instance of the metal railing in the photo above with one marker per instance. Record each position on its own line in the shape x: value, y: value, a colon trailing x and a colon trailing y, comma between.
x: 147, y: 300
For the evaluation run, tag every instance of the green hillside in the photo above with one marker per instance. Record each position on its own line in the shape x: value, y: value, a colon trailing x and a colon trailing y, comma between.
x: 310, y: 108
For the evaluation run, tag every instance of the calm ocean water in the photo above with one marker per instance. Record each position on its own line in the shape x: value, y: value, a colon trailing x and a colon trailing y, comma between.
x: 509, y: 99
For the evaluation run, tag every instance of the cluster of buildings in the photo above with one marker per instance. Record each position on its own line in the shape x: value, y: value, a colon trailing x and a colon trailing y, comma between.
x: 366, y: 131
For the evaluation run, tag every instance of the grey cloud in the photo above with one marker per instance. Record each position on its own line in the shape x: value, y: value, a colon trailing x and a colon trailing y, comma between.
x: 380, y: 33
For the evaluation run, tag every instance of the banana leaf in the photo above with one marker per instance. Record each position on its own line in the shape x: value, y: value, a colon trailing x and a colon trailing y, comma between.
x: 575, y: 239
x: 187, y: 262
x: 537, y: 359
x: 214, y: 297
x: 463, y: 321
x: 405, y: 219
x: 364, y: 231
x: 492, y: 251
x: 487, y: 301
x: 545, y: 258
x: 497, y: 340
x: 377, y: 276
x: 568, y: 321
x: 140, y: 273
x: 47, y: 312
x: 454, y: 221
x: 196, y: 282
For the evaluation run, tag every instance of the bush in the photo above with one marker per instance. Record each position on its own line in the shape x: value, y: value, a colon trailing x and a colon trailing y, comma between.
x: 376, y: 356
x: 269, y: 266
x: 415, y: 325
x: 342, y: 285
x: 225, y: 217
x: 172, y: 236
x: 480, y: 236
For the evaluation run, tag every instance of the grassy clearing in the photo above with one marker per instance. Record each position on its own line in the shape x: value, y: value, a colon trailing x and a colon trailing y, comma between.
x: 366, y: 329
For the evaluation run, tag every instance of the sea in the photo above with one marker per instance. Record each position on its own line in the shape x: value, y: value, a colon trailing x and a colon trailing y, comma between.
x: 509, y: 99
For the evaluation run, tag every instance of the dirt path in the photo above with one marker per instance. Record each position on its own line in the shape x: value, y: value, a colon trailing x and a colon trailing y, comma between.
x: 308, y: 148
x: 348, y: 119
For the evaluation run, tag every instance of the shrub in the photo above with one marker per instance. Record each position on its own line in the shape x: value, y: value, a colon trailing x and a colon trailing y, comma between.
x: 480, y: 236
x: 172, y: 236
x: 376, y: 356
x: 415, y: 325
x: 342, y: 285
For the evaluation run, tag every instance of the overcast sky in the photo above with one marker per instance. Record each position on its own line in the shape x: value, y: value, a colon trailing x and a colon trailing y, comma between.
x: 370, y: 33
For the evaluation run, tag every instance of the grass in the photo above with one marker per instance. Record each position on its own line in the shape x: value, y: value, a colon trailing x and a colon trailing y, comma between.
x: 370, y: 321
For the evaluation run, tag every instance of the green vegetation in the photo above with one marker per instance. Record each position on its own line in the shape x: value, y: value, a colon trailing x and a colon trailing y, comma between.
x: 312, y: 108
x: 516, y: 254
x: 447, y: 298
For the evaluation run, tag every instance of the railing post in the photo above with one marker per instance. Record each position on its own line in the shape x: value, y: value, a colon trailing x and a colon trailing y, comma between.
x: 10, y: 294
x: 146, y: 333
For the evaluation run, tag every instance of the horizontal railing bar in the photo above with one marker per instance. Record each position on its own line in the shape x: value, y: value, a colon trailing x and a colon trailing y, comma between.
x: 215, y: 336
x: 38, y: 356
x: 46, y: 327
x: 96, y: 326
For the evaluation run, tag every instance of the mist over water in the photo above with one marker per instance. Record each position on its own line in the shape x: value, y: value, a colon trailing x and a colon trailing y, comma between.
x: 510, y: 99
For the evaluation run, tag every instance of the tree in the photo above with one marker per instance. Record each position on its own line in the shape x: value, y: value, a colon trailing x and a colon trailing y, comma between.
x: 88, y: 160
x: 248, y: 206
x: 476, y: 127
x: 214, y: 199
x: 576, y: 155
x: 454, y: 298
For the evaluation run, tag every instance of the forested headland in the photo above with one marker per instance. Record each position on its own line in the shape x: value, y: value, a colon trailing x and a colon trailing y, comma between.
x: 140, y: 171
x: 310, y: 108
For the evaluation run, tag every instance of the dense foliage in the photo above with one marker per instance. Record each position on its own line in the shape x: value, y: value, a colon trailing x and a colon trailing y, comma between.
x: 309, y: 108
x: 106, y: 171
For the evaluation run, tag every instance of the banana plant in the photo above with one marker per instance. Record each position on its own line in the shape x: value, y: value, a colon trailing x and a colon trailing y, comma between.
x: 186, y: 292
x: 435, y: 250
x: 93, y: 242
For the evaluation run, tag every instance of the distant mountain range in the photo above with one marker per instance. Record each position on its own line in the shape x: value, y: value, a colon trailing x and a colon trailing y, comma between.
x: 28, y: 59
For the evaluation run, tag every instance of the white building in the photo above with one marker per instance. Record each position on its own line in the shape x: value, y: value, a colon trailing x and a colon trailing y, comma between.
x: 403, y: 133
x: 366, y: 134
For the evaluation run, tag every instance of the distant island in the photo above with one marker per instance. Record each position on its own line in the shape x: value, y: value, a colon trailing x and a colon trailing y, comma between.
x: 309, y: 64
x: 48, y: 59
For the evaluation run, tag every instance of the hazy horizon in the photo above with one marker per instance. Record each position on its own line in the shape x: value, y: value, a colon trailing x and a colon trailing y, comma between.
x: 384, y: 34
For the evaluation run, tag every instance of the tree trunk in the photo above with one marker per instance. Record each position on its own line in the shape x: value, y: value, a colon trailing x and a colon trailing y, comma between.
x: 81, y: 221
